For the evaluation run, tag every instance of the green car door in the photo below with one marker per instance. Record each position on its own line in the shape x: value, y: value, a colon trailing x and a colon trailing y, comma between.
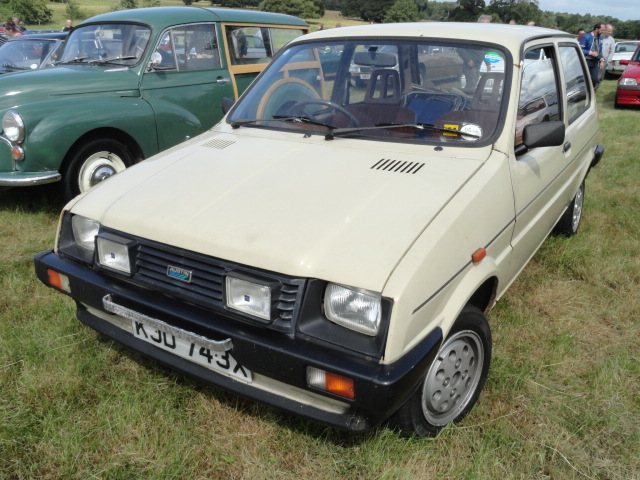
x: 185, y: 82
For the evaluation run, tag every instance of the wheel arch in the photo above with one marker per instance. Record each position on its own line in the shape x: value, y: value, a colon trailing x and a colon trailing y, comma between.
x: 103, y: 133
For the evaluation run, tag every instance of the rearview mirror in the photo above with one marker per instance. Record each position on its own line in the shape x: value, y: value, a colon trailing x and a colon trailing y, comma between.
x: 543, y: 134
x: 374, y: 59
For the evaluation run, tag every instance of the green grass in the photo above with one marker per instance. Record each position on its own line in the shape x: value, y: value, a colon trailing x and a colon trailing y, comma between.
x: 562, y: 400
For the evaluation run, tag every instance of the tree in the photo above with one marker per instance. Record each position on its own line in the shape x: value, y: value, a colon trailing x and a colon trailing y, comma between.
x: 467, y: 11
x: 522, y: 11
x: 74, y: 12
x: 31, y: 12
x: 403, y: 11
x: 368, y: 10
x: 297, y: 8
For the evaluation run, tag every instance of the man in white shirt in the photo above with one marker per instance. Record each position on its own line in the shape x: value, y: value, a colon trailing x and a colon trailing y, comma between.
x: 608, y: 46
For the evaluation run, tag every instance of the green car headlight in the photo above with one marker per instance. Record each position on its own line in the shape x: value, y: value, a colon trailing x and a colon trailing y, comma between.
x: 13, y: 126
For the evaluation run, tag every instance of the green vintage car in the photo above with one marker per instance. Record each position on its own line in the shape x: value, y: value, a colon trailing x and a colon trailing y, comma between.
x: 130, y: 84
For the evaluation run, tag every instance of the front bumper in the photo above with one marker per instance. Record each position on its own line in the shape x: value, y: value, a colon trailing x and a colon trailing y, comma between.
x: 277, y: 361
x: 28, y: 179
x: 628, y: 95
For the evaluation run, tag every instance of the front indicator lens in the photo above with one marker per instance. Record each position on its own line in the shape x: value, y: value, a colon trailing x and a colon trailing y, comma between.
x: 355, y: 309
x: 13, y: 126
x: 114, y: 252
x: 248, y: 297
x: 331, y: 382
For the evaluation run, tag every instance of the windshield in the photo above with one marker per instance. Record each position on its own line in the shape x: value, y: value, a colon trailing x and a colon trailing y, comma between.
x: 29, y: 54
x: 413, y: 91
x: 119, y: 44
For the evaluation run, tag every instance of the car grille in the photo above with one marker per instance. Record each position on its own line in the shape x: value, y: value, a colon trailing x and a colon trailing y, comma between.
x: 205, y: 286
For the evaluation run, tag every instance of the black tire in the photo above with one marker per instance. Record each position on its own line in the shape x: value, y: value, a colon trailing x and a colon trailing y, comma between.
x: 454, y: 380
x: 93, y: 162
x: 570, y: 221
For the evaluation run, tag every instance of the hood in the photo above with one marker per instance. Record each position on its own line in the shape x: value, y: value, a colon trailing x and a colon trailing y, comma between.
x: 337, y: 210
x: 26, y: 87
x: 632, y: 71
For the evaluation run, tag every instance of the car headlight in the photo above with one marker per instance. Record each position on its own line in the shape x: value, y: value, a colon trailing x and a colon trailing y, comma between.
x: 115, y: 252
x: 252, y: 296
x: 77, y: 237
x: 353, y: 308
x: 13, y: 126
x: 628, y: 82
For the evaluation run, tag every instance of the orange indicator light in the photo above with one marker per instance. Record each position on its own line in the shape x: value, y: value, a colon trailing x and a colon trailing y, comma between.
x: 340, y: 385
x: 58, y: 280
x: 478, y: 255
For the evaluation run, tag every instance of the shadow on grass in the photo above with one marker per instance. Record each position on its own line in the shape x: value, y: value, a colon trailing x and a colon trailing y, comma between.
x: 39, y: 199
x: 245, y: 406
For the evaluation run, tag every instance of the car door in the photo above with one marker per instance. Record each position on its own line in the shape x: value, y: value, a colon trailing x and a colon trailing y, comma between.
x: 187, y: 83
x: 543, y: 177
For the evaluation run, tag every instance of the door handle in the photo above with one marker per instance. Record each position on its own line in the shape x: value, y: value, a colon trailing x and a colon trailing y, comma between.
x: 222, y: 80
x: 566, y: 147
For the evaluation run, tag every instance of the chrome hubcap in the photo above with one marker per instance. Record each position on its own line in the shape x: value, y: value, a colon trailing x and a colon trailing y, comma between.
x: 97, y: 168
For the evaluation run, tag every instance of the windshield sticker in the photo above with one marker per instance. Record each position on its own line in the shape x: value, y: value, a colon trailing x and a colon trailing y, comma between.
x: 493, y: 57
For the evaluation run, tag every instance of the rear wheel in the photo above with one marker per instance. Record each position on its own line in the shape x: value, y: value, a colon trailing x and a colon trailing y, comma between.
x: 570, y: 221
x: 94, y: 162
x: 454, y: 380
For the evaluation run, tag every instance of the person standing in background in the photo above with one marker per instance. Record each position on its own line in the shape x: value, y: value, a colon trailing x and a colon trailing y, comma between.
x: 608, y: 47
x: 591, y: 44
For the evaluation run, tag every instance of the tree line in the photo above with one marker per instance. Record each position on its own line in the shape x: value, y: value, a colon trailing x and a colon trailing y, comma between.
x: 35, y: 12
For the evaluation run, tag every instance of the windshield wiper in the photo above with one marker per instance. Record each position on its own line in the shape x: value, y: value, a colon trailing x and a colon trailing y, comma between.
x: 73, y: 60
x: 279, y: 118
x: 104, y: 61
x: 417, y: 126
x: 14, y: 67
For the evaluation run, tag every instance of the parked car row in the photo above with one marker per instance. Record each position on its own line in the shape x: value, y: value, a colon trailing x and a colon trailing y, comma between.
x: 329, y: 249
x: 128, y: 85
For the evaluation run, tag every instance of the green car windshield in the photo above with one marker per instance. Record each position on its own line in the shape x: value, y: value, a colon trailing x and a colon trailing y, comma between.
x: 385, y: 89
x: 108, y: 44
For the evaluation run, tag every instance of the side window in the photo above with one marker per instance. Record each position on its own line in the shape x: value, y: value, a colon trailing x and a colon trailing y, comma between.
x: 252, y: 45
x: 538, y: 101
x: 192, y: 47
x: 576, y: 85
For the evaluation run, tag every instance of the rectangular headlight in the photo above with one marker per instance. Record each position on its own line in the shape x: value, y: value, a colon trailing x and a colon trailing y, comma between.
x: 353, y: 308
x: 114, y: 252
x: 248, y: 297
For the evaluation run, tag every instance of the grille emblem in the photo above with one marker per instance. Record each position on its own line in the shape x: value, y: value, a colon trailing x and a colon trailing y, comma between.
x: 179, y: 273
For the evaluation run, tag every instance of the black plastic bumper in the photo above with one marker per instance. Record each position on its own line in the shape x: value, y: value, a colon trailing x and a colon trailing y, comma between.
x: 379, y: 389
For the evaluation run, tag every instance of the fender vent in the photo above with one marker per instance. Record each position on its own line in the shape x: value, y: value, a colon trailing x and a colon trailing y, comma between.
x: 218, y: 143
x: 389, y: 165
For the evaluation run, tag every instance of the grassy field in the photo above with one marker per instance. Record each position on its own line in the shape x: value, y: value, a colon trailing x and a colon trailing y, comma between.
x: 562, y: 400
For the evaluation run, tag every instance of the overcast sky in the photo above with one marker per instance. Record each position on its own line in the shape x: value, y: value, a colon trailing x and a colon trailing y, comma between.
x: 622, y: 9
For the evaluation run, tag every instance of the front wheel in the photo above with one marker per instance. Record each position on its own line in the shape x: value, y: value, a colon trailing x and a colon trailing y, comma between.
x: 454, y: 380
x: 94, y: 162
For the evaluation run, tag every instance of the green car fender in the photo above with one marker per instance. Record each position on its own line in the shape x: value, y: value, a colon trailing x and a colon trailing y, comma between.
x: 55, y: 128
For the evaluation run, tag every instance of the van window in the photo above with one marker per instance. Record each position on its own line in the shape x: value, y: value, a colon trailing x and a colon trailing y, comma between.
x: 577, y: 87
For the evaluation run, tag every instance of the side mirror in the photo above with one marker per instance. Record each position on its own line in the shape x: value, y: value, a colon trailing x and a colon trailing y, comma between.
x: 543, y: 134
x: 155, y: 62
x: 226, y: 103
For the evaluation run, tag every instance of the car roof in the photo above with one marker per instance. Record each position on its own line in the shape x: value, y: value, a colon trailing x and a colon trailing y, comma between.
x: 162, y: 17
x: 40, y: 36
x: 511, y: 36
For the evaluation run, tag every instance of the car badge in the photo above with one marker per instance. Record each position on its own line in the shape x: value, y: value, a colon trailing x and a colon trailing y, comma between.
x: 179, y: 273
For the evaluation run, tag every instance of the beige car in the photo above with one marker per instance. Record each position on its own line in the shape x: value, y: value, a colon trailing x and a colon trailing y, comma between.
x: 335, y: 252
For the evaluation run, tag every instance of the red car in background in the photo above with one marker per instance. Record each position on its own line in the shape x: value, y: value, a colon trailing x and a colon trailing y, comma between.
x: 628, y: 91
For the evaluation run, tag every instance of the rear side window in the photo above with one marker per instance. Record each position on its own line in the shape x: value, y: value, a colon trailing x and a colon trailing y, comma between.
x: 577, y: 86
x: 251, y: 44
x: 538, y: 101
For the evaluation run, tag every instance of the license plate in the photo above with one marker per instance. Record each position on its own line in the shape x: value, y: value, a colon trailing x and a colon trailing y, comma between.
x: 222, y: 362
x: 365, y: 76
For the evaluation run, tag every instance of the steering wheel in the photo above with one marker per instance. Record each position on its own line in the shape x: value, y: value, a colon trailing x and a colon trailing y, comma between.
x: 301, y: 107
